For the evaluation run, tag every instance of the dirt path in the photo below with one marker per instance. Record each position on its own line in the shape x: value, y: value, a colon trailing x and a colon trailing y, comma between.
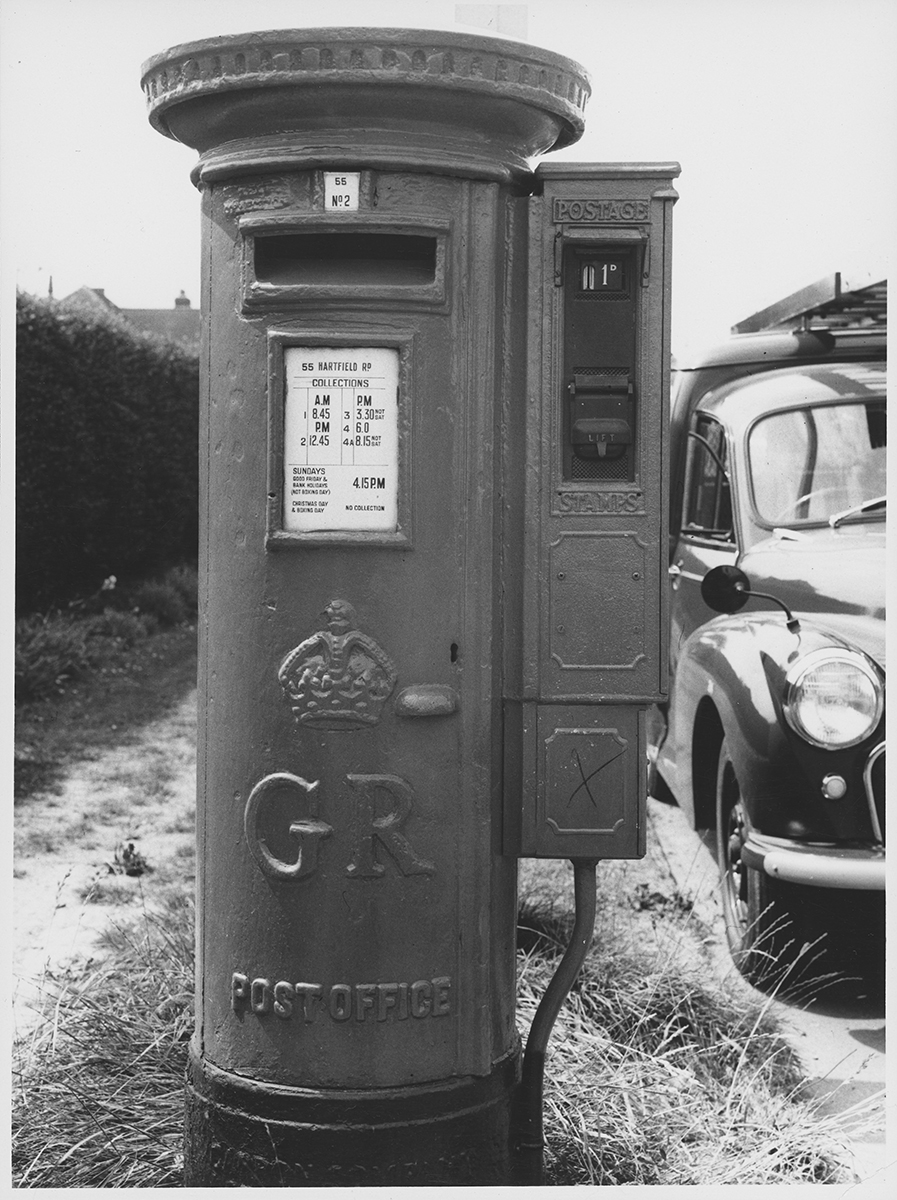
x: 64, y: 893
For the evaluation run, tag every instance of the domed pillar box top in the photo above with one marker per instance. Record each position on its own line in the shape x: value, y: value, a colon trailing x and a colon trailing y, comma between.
x: 389, y: 98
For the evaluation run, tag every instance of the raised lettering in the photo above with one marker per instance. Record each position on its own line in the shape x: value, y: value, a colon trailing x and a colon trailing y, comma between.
x: 441, y: 988
x: 371, y: 829
x: 239, y: 991
x: 340, y: 1002
x: 364, y: 999
x: 386, y: 999
x: 309, y: 995
x: 283, y: 999
x: 307, y: 833
x: 421, y: 998
x: 599, y: 502
x: 260, y: 996
x: 610, y: 212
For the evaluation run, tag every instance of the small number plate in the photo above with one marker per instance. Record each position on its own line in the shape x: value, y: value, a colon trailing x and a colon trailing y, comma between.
x: 341, y: 191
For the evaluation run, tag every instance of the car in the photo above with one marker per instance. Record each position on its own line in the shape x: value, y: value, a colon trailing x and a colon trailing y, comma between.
x: 772, y: 741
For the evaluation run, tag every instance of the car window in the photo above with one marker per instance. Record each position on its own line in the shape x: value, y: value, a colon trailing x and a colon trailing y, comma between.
x: 806, y: 464
x: 708, y: 501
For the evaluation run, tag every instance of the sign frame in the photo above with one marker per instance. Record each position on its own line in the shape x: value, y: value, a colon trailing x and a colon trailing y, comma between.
x: 277, y: 535
x: 340, y: 442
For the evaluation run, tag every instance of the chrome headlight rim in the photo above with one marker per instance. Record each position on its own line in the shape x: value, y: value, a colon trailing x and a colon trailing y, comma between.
x: 807, y: 663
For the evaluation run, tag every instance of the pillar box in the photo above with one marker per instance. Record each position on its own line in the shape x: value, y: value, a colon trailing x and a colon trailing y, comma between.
x: 367, y: 261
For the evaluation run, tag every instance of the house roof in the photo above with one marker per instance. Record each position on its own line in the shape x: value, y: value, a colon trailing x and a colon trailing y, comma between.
x: 180, y: 324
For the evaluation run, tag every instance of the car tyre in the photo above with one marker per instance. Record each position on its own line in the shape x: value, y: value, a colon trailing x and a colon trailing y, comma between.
x: 764, y: 926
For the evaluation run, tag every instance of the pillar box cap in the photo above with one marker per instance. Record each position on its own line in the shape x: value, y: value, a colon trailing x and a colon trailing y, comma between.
x: 389, y: 98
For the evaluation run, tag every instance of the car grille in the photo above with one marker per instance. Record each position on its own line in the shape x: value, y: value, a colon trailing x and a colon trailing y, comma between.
x: 874, y: 779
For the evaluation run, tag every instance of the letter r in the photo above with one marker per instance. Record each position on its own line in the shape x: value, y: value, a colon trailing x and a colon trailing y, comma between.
x: 371, y: 828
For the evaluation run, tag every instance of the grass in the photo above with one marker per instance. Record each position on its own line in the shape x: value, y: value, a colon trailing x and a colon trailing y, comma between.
x: 657, y: 1073
x: 98, y: 1089
x: 97, y: 631
x: 87, y: 680
x: 654, y: 1076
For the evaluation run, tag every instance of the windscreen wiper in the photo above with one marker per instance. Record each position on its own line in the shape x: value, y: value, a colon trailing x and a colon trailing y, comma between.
x: 854, y: 511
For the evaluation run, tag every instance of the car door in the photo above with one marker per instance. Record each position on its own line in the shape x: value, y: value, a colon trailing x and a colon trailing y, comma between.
x: 707, y: 535
x: 706, y: 539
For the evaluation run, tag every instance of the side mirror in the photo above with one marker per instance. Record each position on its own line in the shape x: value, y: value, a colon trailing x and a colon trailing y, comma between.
x: 725, y: 589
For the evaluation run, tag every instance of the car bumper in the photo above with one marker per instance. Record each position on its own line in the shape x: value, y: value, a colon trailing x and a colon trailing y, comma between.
x: 816, y: 866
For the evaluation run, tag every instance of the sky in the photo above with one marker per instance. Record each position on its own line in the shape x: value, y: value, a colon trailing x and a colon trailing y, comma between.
x: 782, y: 114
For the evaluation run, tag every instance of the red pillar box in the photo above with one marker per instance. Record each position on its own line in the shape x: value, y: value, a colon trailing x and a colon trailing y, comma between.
x: 365, y: 272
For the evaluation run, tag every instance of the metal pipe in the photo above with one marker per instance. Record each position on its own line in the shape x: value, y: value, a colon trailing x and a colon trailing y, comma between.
x: 530, y: 1136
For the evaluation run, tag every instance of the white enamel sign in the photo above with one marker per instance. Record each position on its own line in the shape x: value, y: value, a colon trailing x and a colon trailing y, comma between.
x: 341, y: 439
x: 341, y: 191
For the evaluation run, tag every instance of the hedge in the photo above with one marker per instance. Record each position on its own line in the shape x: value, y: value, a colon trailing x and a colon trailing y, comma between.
x: 106, y: 444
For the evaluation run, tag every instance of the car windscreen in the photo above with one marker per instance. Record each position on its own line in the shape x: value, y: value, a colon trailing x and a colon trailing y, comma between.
x: 809, y: 464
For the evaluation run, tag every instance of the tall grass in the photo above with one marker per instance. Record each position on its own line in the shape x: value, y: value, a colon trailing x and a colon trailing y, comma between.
x: 53, y: 648
x: 654, y: 1076
x: 98, y: 1087
x: 49, y: 650
x: 657, y: 1076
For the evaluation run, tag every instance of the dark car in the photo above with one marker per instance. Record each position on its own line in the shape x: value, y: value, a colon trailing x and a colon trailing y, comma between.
x: 774, y: 733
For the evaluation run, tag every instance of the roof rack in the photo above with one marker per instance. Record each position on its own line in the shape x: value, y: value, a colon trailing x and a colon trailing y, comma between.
x: 838, y: 301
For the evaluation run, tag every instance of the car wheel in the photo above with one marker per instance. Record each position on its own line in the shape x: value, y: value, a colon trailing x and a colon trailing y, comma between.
x: 763, y: 922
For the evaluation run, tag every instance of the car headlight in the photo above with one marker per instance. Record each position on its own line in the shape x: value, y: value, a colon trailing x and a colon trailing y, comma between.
x: 833, y: 698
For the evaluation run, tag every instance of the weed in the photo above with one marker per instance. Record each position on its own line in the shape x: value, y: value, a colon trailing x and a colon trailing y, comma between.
x: 125, y: 628
x: 32, y: 774
x: 163, y: 601
x: 182, y: 824
x: 644, y: 897
x: 124, y: 687
x: 108, y: 891
x: 183, y: 579
x: 95, y: 633
x: 37, y: 843
x: 117, y: 809
x: 49, y: 650
x: 127, y: 860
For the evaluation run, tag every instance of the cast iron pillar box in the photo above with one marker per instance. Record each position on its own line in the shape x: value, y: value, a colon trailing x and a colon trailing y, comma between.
x: 362, y: 255
x: 377, y: 298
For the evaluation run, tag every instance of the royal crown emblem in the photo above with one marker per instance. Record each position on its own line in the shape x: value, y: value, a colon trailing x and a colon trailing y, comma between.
x: 338, y: 678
